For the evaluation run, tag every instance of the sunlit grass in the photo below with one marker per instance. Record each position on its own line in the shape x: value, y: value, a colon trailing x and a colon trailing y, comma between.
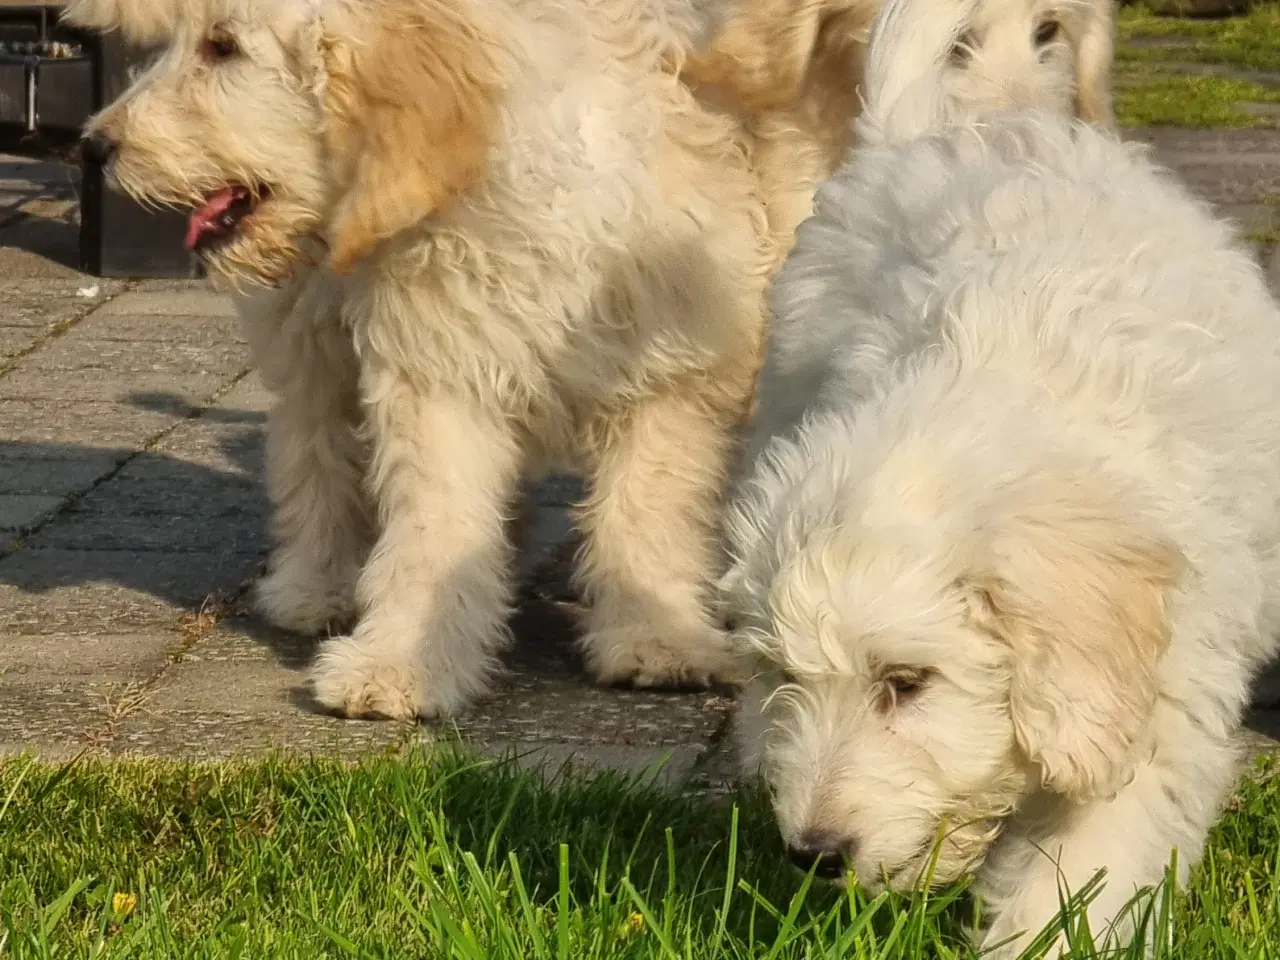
x: 447, y: 856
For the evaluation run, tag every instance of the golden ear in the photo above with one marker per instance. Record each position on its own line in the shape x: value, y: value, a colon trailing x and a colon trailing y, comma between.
x: 410, y: 114
x: 1080, y: 600
x: 1095, y: 52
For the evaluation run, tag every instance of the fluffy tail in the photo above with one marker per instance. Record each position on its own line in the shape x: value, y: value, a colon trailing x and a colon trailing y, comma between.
x: 907, y: 59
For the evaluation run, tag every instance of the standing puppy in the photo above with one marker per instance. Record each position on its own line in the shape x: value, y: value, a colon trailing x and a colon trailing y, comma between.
x: 497, y: 236
x: 1010, y: 554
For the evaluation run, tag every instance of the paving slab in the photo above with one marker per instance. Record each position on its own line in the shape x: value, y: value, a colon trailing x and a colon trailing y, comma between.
x: 46, y: 305
x: 19, y: 511
x: 1223, y: 167
x: 55, y: 726
x: 176, y: 331
x: 167, y: 392
x: 79, y: 350
x: 152, y: 484
x: 47, y: 590
x: 229, y: 695
x: 551, y: 706
x: 227, y: 439
x: 185, y: 299
x: 16, y: 340
x: 100, y: 528
x: 66, y: 690
x: 55, y: 472
x: 56, y: 427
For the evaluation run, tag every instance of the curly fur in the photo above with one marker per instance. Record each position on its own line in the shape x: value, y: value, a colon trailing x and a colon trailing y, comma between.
x: 493, y: 236
x: 1009, y: 555
x: 795, y: 67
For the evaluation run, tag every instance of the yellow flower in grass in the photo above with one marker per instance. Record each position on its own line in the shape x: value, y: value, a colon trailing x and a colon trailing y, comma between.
x: 631, y: 926
x: 122, y: 904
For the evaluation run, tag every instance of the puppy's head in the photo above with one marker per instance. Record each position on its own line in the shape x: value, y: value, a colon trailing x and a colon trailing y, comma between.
x: 1047, y: 53
x: 931, y: 645
x: 280, y: 120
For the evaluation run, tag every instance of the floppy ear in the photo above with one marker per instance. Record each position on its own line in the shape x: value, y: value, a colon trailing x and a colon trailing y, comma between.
x: 1079, y: 597
x: 1095, y: 51
x: 410, y: 112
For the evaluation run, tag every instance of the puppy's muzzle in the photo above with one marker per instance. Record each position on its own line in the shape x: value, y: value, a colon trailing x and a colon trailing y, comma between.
x: 822, y: 853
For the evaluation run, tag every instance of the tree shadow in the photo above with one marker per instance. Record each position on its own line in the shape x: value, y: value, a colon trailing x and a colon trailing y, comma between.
x: 186, y: 532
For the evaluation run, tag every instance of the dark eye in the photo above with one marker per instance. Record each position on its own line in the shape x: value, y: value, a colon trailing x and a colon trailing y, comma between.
x: 1047, y: 32
x: 219, y: 45
x: 963, y: 49
x: 902, y: 686
x: 789, y: 677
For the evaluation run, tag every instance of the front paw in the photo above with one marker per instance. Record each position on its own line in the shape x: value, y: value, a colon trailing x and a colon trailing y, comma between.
x: 361, y: 679
x: 304, y: 600
x: 652, y: 658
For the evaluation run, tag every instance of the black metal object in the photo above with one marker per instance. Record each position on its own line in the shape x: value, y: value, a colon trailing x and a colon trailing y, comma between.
x: 119, y: 237
x: 52, y: 79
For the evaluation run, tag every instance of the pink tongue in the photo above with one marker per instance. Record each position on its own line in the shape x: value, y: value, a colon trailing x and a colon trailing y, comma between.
x: 205, y: 219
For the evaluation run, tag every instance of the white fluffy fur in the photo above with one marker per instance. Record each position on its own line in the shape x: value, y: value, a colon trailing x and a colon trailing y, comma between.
x: 504, y: 236
x: 1008, y: 559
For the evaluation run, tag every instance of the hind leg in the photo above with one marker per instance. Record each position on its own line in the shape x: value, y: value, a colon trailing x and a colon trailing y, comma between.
x: 651, y: 552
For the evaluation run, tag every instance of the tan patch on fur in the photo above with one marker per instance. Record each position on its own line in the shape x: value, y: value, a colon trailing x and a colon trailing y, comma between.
x: 767, y: 50
x: 411, y: 114
x: 1095, y: 52
x: 763, y: 51
x: 793, y: 67
x: 1079, y: 596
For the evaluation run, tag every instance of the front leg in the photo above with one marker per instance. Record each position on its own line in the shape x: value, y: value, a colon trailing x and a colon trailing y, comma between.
x: 651, y: 552
x: 314, y: 458
x: 435, y: 594
x: 1170, y: 804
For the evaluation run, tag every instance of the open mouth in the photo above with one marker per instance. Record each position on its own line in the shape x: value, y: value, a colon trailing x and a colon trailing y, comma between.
x: 218, y: 220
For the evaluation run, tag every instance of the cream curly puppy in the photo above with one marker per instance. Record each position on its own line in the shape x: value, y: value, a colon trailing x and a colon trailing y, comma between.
x: 501, y: 235
x: 1010, y: 556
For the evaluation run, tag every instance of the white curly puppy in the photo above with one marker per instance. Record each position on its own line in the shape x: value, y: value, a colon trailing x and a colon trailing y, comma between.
x: 504, y: 236
x: 1011, y: 553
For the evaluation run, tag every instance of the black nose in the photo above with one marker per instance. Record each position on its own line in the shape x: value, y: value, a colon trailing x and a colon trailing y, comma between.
x: 820, y: 853
x: 96, y: 148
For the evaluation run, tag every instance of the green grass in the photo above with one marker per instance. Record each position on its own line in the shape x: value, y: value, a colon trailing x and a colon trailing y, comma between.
x: 1144, y: 98
x: 1250, y: 41
x: 450, y: 857
x: 1148, y: 95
